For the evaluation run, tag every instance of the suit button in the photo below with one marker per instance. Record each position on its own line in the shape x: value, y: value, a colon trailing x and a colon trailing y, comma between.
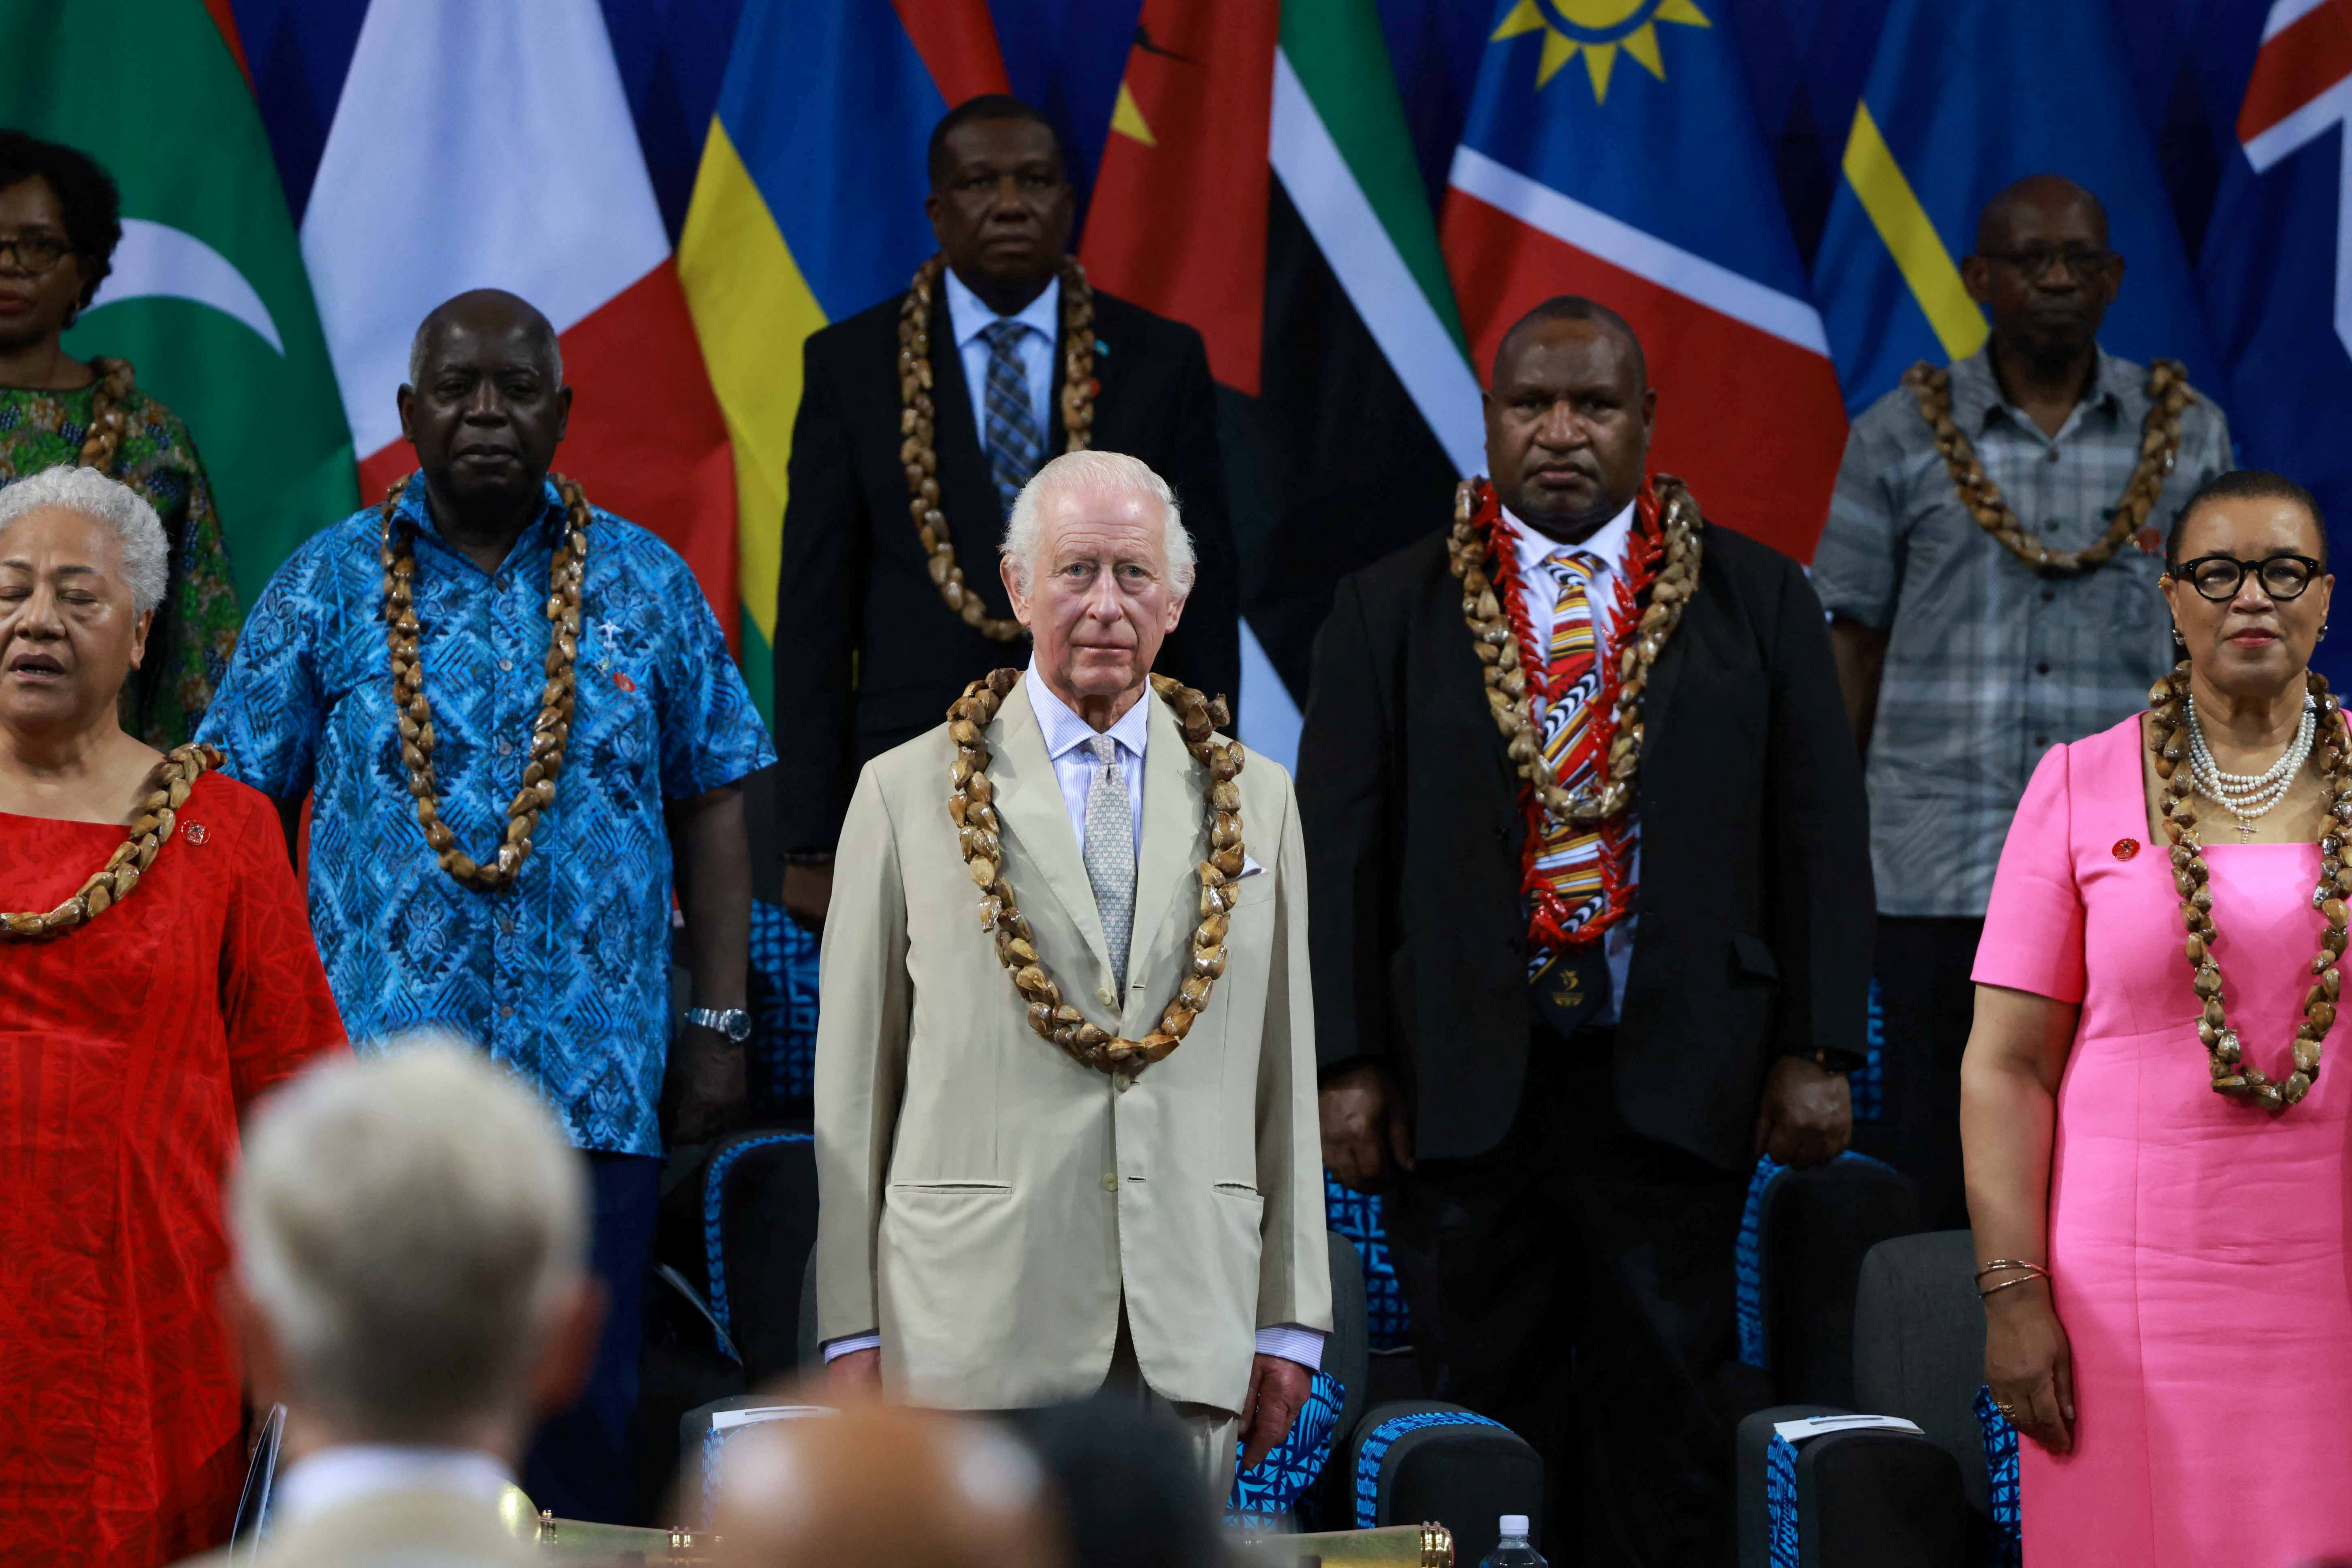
x: 1110, y: 1183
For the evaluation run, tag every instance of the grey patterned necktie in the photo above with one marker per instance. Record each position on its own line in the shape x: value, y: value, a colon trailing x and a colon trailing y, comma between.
x: 1110, y: 853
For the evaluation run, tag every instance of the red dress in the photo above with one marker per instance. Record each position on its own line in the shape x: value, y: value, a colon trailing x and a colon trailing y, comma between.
x: 128, y: 1049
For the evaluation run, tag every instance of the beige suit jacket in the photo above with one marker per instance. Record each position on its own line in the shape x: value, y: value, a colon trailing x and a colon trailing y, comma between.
x: 985, y: 1201
x: 397, y: 1530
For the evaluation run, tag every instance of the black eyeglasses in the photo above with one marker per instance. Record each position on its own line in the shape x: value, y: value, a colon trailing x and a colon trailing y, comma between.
x: 2216, y: 577
x: 35, y: 250
x: 2036, y: 260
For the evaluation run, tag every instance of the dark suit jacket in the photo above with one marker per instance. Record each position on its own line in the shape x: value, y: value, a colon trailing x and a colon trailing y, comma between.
x: 866, y: 653
x: 1755, y: 898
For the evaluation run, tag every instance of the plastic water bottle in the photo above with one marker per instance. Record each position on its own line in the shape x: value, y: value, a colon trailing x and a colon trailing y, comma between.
x: 1514, y: 1549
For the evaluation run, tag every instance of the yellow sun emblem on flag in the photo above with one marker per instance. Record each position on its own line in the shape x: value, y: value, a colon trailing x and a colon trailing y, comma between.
x: 1597, y: 29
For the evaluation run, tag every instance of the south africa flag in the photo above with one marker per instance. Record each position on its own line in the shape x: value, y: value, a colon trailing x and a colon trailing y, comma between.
x: 1260, y: 183
x: 208, y: 298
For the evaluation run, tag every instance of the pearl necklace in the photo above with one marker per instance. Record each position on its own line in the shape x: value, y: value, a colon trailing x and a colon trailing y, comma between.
x: 2249, y: 796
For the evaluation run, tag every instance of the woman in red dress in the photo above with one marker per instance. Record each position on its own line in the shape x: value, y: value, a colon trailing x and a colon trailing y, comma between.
x: 156, y: 973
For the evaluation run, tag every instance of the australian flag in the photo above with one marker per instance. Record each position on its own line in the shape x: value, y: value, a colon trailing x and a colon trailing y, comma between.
x: 2277, y: 267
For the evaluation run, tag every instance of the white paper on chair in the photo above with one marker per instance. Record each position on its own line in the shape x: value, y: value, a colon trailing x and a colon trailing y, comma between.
x: 724, y: 1419
x: 1815, y: 1425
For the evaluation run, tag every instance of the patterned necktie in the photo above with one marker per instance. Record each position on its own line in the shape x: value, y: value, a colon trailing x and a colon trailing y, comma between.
x: 1570, y: 856
x: 1110, y: 853
x: 1016, y: 448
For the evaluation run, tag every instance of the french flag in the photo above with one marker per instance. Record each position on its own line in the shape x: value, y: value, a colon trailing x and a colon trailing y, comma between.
x: 1622, y: 162
x: 2278, y: 264
x: 490, y: 146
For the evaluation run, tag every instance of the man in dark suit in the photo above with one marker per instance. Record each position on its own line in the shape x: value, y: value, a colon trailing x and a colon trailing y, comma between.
x: 1562, y: 1058
x: 867, y: 653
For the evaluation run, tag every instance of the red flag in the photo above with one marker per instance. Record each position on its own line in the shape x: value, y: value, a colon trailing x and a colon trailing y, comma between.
x: 1178, y: 223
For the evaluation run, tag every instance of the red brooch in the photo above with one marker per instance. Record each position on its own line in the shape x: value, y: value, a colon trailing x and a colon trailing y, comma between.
x: 2126, y: 847
x: 621, y: 679
x: 194, y: 833
x: 2149, y: 540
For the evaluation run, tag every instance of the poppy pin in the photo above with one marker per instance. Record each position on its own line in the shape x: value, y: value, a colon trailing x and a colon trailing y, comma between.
x: 621, y: 679
x: 2126, y: 847
x: 196, y: 833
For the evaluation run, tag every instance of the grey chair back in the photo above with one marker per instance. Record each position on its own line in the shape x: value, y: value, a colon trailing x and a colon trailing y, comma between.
x: 1918, y: 1344
x: 811, y: 1359
x: 1347, y: 1354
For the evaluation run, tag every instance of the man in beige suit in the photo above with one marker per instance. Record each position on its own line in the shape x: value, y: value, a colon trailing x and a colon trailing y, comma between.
x: 1065, y: 1120
x: 410, y: 1283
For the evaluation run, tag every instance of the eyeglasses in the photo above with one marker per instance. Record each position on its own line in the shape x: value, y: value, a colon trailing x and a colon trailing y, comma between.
x: 2036, y: 260
x: 35, y: 250
x: 2216, y: 577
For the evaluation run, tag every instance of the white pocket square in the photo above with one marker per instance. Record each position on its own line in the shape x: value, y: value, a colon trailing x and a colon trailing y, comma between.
x: 1249, y: 868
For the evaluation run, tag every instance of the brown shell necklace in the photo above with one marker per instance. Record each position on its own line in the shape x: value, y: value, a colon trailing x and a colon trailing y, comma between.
x: 547, y: 733
x: 2159, y: 447
x: 149, y: 831
x: 979, y: 836
x: 2170, y: 745
x: 919, y: 426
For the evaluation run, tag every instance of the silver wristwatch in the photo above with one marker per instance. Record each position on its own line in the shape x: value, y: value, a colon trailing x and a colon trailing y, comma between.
x: 734, y: 1023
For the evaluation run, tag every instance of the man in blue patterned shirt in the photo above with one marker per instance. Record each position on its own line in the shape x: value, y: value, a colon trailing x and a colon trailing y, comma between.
x: 563, y: 975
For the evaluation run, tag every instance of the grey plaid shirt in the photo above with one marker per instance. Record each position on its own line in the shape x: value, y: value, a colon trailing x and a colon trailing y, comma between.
x: 1987, y: 665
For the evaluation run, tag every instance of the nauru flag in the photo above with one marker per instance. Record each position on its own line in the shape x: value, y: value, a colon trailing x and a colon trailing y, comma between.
x: 1619, y: 158
x: 490, y: 146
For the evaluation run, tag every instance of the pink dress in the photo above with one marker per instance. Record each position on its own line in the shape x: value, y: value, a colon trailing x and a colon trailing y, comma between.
x: 2201, y: 1249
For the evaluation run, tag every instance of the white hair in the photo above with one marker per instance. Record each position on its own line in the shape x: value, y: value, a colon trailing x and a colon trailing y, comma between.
x: 1115, y: 471
x: 146, y: 554
x: 409, y: 1223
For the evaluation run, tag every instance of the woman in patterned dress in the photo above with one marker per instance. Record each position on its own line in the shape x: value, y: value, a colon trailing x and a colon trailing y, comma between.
x: 157, y: 972
x: 61, y: 218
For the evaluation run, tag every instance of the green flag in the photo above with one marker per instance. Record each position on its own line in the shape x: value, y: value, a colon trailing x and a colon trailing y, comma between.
x: 1357, y: 297
x: 208, y: 299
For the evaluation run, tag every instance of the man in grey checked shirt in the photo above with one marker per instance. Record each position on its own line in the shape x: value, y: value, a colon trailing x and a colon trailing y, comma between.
x: 1960, y: 665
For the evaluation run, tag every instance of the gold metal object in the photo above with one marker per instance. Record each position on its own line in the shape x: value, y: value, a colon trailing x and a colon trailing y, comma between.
x: 1429, y: 1545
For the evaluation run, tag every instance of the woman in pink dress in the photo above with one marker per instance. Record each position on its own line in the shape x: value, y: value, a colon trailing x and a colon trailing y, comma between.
x: 2157, y: 1170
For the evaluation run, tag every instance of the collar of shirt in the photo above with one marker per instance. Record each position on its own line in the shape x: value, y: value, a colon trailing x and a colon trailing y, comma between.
x: 1532, y: 549
x: 1976, y: 395
x: 968, y: 317
x: 335, y: 1476
x: 538, y: 538
x: 1066, y: 735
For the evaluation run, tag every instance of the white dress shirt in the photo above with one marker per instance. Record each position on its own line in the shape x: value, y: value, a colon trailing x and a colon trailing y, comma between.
x: 968, y: 318
x: 334, y: 1476
x: 1066, y: 735
x: 1066, y: 738
x: 1541, y: 593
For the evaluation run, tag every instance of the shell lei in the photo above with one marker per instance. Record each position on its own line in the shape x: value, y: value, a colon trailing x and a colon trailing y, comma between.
x: 547, y: 733
x: 2225, y: 1053
x: 979, y: 832
x: 149, y: 831
x: 1667, y: 569
x: 917, y: 426
x: 2159, y: 447
x: 106, y: 423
